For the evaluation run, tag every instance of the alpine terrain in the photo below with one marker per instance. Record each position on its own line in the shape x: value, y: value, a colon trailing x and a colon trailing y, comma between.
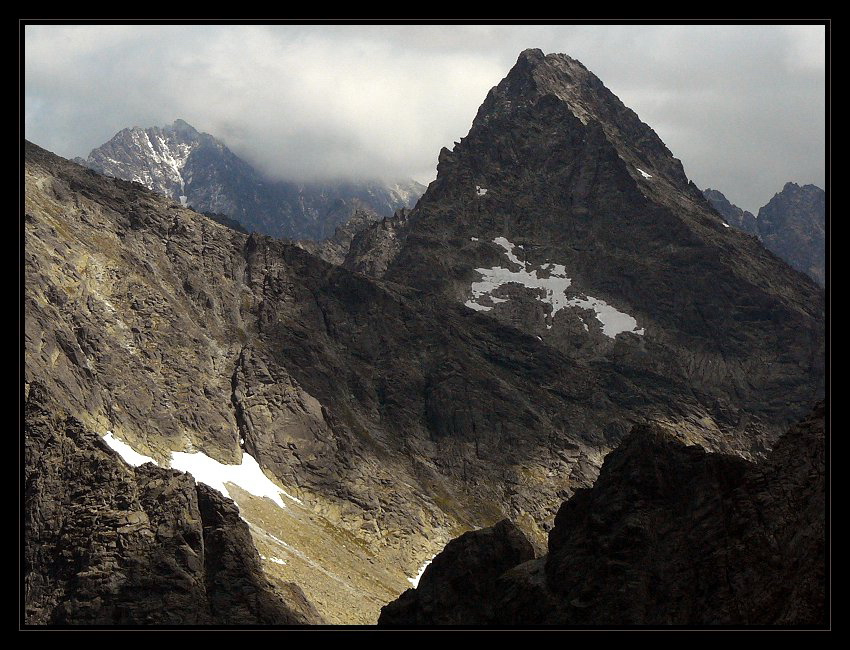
x: 561, y: 292
x: 792, y: 225
x: 198, y: 170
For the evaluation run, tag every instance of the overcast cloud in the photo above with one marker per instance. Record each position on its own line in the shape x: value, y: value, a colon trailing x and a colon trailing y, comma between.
x: 743, y: 107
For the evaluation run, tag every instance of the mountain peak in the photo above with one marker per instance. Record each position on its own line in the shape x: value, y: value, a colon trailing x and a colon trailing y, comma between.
x: 552, y: 88
x: 536, y: 74
x: 532, y: 53
x: 183, y: 127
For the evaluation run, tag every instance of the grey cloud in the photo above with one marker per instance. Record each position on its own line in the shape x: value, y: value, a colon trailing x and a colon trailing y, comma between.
x: 742, y: 106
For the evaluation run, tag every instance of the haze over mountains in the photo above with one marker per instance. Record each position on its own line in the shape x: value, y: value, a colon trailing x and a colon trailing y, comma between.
x: 560, y: 285
x: 200, y: 171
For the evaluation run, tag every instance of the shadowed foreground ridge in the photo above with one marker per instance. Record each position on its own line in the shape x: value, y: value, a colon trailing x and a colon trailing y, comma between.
x: 455, y: 588
x: 669, y: 534
x: 110, y: 544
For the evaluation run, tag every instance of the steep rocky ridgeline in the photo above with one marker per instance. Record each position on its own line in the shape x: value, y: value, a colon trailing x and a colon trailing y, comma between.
x: 734, y: 216
x: 108, y: 544
x: 198, y: 170
x: 792, y: 225
x: 668, y: 535
x: 336, y: 248
x: 563, y: 215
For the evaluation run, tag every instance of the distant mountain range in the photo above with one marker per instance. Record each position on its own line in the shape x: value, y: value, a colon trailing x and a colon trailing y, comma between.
x: 792, y: 225
x: 198, y: 170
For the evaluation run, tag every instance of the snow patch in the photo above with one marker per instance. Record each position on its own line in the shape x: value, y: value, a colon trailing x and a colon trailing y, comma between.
x: 248, y: 476
x: 415, y: 581
x: 481, y: 191
x: 476, y: 306
x: 127, y: 453
x: 725, y: 225
x: 643, y: 173
x: 509, y: 250
x: 553, y: 287
x: 613, y: 321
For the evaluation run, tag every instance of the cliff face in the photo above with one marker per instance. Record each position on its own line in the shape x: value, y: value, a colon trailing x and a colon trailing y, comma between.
x: 111, y: 544
x: 668, y: 535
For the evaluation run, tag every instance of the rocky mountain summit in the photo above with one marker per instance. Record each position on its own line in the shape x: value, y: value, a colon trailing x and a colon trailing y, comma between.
x: 792, y: 225
x: 735, y: 216
x: 198, y: 170
x: 563, y: 215
x: 473, y: 359
x: 668, y: 535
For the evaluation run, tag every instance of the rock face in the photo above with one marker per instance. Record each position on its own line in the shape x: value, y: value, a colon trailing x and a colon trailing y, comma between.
x: 110, y: 544
x: 336, y: 248
x: 563, y: 215
x: 668, y: 535
x: 735, y: 216
x: 197, y: 170
x: 792, y: 225
x: 457, y: 587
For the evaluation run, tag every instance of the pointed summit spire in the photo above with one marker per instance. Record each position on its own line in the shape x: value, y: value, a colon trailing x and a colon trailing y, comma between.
x: 184, y: 128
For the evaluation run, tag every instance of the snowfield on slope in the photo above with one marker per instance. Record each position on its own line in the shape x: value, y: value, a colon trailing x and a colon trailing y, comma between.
x: 248, y: 475
x: 552, y: 279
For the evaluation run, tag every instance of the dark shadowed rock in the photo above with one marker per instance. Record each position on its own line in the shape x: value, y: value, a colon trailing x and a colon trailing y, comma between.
x: 458, y: 586
x: 672, y: 535
x: 669, y: 535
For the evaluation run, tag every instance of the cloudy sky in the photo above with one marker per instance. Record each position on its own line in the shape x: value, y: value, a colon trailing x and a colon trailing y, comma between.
x: 742, y: 106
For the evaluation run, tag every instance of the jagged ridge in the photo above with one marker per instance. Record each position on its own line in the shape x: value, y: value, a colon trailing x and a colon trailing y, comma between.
x: 668, y: 535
